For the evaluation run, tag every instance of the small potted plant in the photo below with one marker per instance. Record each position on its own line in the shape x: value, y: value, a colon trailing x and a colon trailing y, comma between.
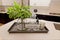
x: 20, y: 12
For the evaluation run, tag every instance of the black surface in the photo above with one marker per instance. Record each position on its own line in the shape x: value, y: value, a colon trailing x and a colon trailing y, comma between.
x: 14, y: 29
x: 4, y: 18
x: 48, y: 17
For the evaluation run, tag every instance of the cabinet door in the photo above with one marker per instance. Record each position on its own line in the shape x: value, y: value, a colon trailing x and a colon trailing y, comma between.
x: 9, y: 2
x: 26, y: 2
x: 2, y: 9
x: 0, y: 2
x: 40, y: 2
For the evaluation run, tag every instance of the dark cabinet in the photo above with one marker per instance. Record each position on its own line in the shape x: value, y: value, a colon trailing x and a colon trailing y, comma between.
x: 48, y: 17
x: 4, y: 18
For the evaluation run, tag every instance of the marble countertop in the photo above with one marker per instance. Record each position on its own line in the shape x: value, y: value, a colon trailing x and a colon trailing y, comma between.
x: 48, y: 14
x: 40, y: 13
x: 53, y: 34
x: 3, y: 12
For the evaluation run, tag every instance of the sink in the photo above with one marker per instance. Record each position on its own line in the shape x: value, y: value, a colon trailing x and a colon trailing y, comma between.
x: 57, y: 26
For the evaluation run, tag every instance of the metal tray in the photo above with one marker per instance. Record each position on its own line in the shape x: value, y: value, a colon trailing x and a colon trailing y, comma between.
x: 32, y: 28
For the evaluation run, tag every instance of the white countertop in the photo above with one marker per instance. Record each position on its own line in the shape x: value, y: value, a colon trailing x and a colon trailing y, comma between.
x: 53, y: 34
x: 48, y: 14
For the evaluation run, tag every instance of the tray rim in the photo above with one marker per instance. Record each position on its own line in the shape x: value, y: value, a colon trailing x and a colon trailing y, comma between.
x: 27, y: 31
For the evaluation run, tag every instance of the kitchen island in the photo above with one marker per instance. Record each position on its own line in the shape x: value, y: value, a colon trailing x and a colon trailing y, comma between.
x: 53, y: 34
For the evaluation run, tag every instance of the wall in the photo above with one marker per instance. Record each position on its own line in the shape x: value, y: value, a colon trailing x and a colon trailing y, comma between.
x: 41, y: 9
x: 0, y: 2
x: 26, y: 2
x: 41, y: 5
x: 55, y: 6
x: 2, y: 9
x: 9, y: 2
x: 5, y: 4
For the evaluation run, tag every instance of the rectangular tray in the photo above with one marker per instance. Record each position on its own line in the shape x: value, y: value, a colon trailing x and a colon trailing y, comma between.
x: 13, y: 29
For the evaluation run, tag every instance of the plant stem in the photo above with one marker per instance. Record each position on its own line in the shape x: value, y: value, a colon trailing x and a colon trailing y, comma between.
x: 22, y: 24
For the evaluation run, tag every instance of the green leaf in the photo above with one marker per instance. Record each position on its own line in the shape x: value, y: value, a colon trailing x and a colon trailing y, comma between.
x: 19, y: 11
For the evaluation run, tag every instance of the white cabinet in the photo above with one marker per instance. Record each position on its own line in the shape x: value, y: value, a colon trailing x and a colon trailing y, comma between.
x: 55, y: 6
x: 41, y: 5
x: 9, y: 2
x: 40, y: 2
x: 0, y: 2
x: 26, y: 2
